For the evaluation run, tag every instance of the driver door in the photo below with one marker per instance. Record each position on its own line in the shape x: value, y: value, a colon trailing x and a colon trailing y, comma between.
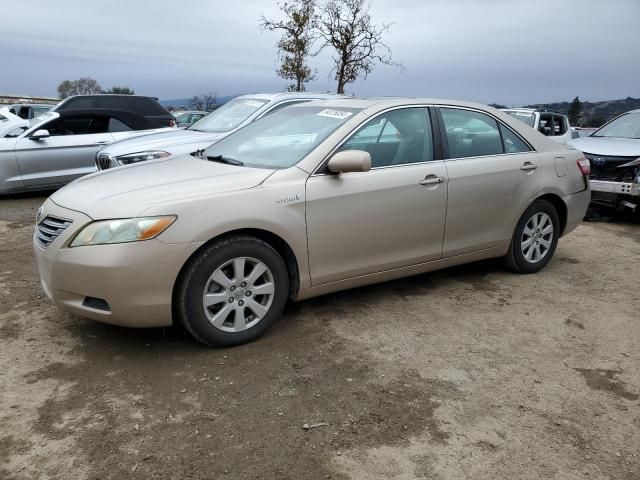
x: 68, y: 153
x: 390, y: 217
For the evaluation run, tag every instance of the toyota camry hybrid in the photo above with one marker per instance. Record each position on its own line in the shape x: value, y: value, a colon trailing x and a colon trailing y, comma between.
x: 312, y: 199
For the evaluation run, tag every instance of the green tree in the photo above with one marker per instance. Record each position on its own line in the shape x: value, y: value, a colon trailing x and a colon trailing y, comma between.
x: 296, y: 44
x: 575, y: 112
x: 121, y: 91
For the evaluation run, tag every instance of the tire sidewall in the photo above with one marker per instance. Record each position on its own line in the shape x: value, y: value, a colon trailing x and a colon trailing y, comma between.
x: 522, y: 265
x: 190, y: 310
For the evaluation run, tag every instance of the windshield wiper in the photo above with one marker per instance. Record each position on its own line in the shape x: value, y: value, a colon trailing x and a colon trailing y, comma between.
x: 227, y: 160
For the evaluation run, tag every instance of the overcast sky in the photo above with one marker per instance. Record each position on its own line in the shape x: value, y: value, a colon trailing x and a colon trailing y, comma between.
x: 505, y: 51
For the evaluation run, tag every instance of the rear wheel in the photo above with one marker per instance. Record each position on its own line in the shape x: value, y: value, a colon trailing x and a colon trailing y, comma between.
x: 535, y: 238
x: 232, y: 291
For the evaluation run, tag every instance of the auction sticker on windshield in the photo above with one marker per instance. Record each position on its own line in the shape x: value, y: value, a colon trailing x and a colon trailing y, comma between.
x: 333, y: 113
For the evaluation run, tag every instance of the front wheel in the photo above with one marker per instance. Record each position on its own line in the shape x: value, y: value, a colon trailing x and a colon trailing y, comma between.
x: 232, y: 291
x: 535, y: 238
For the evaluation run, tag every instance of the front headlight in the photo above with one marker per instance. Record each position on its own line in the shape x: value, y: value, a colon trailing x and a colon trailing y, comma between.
x: 125, y: 230
x: 142, y: 157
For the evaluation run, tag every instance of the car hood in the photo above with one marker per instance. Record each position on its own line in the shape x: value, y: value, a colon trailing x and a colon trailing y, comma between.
x: 162, y: 140
x: 614, y: 147
x: 130, y: 191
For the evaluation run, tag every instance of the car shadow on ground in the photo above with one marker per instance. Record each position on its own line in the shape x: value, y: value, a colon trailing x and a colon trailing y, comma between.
x: 175, y: 339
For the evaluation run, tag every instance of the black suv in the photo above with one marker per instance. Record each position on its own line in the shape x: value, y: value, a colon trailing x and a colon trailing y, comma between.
x: 148, y: 107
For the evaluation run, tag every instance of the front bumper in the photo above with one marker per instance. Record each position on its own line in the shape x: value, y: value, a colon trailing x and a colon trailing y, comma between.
x: 622, y: 188
x: 132, y: 281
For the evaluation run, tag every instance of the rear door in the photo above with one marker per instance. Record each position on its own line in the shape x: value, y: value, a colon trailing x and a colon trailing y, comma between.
x: 389, y: 217
x: 68, y: 153
x: 493, y: 175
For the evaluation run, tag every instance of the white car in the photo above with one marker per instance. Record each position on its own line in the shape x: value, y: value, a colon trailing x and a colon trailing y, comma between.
x: 614, y: 153
x: 230, y: 117
x: 11, y: 124
x: 58, y: 147
x: 551, y: 124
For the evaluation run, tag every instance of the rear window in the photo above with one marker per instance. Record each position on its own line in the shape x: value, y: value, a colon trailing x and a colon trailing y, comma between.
x: 143, y: 105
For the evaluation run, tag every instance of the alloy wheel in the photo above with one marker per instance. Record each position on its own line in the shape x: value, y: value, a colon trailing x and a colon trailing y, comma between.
x: 537, y: 237
x: 238, y: 294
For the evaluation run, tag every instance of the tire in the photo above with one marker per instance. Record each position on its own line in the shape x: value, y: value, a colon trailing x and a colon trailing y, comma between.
x: 217, y: 305
x: 525, y: 255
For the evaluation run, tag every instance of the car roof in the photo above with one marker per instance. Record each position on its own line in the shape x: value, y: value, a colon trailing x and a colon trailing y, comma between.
x: 390, y: 102
x: 527, y: 110
x: 270, y: 97
x: 133, y: 119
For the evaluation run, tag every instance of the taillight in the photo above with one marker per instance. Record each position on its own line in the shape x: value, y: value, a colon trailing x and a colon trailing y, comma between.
x: 172, y: 123
x: 584, y: 166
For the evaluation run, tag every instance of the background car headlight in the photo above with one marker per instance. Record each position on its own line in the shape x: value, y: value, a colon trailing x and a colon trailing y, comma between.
x: 121, y: 231
x: 142, y: 157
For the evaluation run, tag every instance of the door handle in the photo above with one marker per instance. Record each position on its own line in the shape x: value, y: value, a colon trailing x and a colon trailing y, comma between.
x: 527, y: 167
x: 432, y: 180
x: 102, y: 143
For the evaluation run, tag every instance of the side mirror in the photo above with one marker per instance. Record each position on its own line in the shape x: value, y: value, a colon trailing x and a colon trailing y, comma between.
x: 39, y: 134
x: 350, y: 161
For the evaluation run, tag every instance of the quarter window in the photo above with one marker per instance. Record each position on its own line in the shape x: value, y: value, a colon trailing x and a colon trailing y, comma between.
x: 116, y: 125
x: 471, y: 134
x: 395, y: 138
x: 512, y: 142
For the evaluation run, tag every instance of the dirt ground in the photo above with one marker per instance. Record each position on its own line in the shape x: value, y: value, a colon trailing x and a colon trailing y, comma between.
x: 471, y: 372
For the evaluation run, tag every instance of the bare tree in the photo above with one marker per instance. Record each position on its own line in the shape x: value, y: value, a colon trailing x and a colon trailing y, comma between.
x: 205, y: 102
x: 298, y: 38
x: 82, y: 86
x: 346, y: 25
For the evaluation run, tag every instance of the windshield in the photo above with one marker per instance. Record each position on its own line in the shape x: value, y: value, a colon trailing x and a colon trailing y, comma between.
x: 228, y: 116
x: 626, y: 126
x: 41, y: 118
x: 282, y: 139
x: 525, y: 117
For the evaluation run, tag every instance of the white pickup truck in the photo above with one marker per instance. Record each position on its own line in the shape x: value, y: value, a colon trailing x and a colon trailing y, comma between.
x: 551, y: 124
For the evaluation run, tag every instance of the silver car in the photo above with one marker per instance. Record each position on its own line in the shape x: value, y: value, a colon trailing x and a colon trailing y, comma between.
x: 313, y: 199
x: 223, y: 121
x: 614, y: 153
x: 59, y: 147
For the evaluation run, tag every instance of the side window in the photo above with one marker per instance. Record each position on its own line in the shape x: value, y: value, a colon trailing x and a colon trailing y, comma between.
x: 512, y: 142
x: 559, y: 125
x: 395, y: 138
x: 116, y: 125
x: 471, y: 134
x: 545, y: 126
x: 78, y: 125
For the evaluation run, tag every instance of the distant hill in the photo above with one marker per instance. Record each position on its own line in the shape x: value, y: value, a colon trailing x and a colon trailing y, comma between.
x: 184, y: 102
x: 594, y: 113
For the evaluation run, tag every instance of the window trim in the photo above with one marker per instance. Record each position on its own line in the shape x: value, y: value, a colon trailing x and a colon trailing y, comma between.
x: 445, y: 144
x: 321, y: 169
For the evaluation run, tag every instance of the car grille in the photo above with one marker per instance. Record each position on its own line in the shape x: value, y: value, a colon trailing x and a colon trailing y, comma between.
x: 49, y: 229
x: 605, y: 167
x: 103, y: 161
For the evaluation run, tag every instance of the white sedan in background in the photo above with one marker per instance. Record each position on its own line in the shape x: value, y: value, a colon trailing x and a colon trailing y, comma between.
x: 10, y: 122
